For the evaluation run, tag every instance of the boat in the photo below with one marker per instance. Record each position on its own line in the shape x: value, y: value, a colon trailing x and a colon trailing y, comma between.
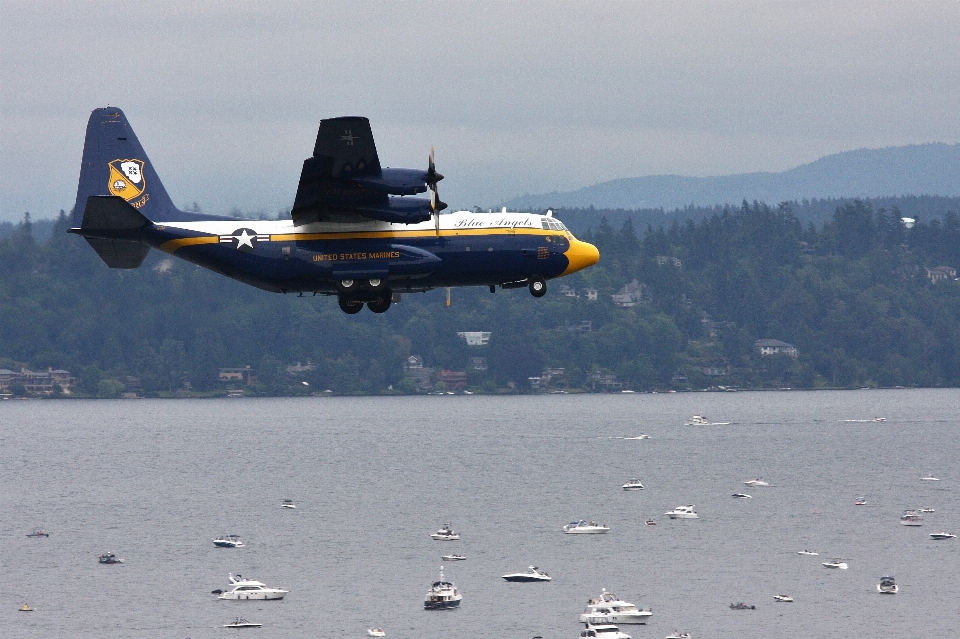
x: 453, y: 558
x: 926, y: 510
x: 228, y: 541
x: 376, y: 632
x: 860, y: 502
x: 887, y: 586
x: 442, y: 595
x: 911, y: 518
x: 835, y: 563
x: 244, y: 589
x: 609, y: 608
x: 741, y: 606
x: 445, y: 533
x: 942, y: 535
x: 679, y: 635
x: 584, y: 527
x: 26, y: 608
x: 109, y: 558
x: 633, y: 484
x: 650, y: 522
x: 741, y: 496
x: 242, y: 623
x: 756, y: 482
x: 682, y: 512
x: 38, y: 533
x: 700, y: 420
x: 807, y: 552
x: 929, y: 477
x: 603, y: 631
x: 783, y: 598
x: 288, y: 503
x: 533, y: 574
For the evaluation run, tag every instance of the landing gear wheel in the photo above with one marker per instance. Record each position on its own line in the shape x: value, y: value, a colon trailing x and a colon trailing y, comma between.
x: 381, y: 305
x: 348, y: 286
x: 349, y: 306
x: 538, y: 288
x: 376, y: 285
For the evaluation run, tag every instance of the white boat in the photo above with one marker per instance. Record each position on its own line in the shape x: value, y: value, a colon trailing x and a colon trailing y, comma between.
x: 603, y: 631
x: 244, y: 589
x: 682, y: 512
x: 376, y: 632
x: 288, y: 503
x: 756, y: 482
x: 609, y: 608
x: 835, y: 563
x: 942, y: 535
x: 929, y: 477
x: 445, y: 533
x: 242, y: 623
x: 911, y: 518
x: 442, y: 595
x: 741, y: 496
x: 633, y: 484
x: 926, y: 510
x: 533, y: 574
x: 700, y: 420
x: 783, y: 598
x: 228, y: 541
x: 887, y: 586
x: 679, y: 635
x: 808, y: 552
x: 584, y: 527
x: 453, y: 558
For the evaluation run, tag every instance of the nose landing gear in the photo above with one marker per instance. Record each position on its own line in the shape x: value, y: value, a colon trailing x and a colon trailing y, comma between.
x: 538, y: 287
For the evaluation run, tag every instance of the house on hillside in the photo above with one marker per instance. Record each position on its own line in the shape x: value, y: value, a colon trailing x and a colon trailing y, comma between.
x: 775, y: 347
x: 667, y: 260
x: 245, y: 375
x: 938, y: 273
x: 475, y: 338
x: 630, y: 295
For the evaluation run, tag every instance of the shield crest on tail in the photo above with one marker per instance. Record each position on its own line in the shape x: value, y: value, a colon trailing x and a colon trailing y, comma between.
x: 126, y: 178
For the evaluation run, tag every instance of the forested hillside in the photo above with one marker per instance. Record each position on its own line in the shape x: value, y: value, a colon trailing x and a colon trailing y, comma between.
x: 853, y: 295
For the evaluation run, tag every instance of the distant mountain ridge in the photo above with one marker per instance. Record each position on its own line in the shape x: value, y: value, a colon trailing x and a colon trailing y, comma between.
x: 917, y: 169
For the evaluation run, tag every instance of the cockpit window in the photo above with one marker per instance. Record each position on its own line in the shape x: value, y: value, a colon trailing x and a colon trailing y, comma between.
x: 545, y: 223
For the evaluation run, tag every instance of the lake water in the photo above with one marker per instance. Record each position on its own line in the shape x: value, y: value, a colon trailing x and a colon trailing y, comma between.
x: 155, y: 481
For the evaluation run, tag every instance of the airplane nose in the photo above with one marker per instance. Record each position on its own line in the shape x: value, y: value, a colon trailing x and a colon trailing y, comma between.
x: 580, y: 255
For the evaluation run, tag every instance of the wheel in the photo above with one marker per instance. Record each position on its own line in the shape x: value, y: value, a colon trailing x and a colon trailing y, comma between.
x: 376, y: 285
x: 381, y: 305
x: 349, y: 306
x: 538, y: 288
x: 348, y: 286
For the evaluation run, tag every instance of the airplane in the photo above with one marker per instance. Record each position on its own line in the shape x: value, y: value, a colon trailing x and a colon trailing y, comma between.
x: 357, y: 230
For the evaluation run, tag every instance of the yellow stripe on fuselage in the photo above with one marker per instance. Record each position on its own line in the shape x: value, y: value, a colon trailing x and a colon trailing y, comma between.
x: 172, y: 245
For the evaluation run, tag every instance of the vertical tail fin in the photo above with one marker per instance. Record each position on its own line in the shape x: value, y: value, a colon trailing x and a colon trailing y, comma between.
x: 114, y: 163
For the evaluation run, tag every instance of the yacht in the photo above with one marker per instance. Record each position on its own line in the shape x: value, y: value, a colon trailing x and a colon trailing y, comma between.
x: 228, y: 541
x: 929, y: 477
x: 682, y: 512
x: 288, y: 503
x: 699, y: 420
x: 38, y: 533
x: 887, y: 586
x: 783, y: 598
x: 609, y: 608
x: 376, y: 632
x: 109, y: 558
x: 926, y: 510
x: 442, y: 595
x: 445, y: 533
x: 534, y: 574
x: 633, y: 484
x: 603, y: 631
x: 808, y: 552
x: 911, y: 518
x: 835, y: 563
x: 242, y: 623
x: 741, y: 496
x: 453, y: 558
x: 942, y: 535
x: 756, y: 482
x: 584, y: 527
x: 679, y: 635
x: 244, y: 589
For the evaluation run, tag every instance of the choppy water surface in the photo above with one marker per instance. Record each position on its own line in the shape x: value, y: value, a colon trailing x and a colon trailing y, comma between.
x: 156, y: 481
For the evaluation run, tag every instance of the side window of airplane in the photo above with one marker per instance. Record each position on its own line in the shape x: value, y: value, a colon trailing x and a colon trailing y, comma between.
x: 545, y: 223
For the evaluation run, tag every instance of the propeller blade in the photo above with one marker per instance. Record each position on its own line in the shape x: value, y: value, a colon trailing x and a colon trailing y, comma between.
x: 432, y: 177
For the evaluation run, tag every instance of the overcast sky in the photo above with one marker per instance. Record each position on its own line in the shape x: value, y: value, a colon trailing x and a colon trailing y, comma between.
x: 518, y: 97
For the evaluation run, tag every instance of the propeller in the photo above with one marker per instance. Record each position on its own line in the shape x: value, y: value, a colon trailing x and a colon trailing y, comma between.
x: 436, y: 205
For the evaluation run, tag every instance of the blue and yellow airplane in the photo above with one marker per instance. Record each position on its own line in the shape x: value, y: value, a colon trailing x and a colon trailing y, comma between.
x: 357, y: 230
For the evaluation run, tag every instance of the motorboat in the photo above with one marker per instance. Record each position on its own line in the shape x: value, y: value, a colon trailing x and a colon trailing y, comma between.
x: 240, y: 622
x: 783, y: 598
x: 244, y: 589
x: 700, y: 420
x: 741, y: 496
x: 453, y: 558
x: 584, y: 527
x: 741, y: 606
x: 38, y: 533
x: 756, y: 482
x: 442, y: 595
x: 926, y: 510
x: 929, y: 477
x: 682, y: 512
x: 109, y: 558
x: 25, y: 608
x: 603, y: 631
x: 911, y: 518
x: 650, y: 522
x: 942, y: 535
x: 228, y: 541
x: 609, y: 608
x: 835, y: 563
x: 376, y: 632
x: 533, y: 574
x: 860, y: 502
x: 445, y: 533
x: 679, y: 635
x: 288, y: 503
x: 808, y: 552
x: 633, y: 484
x: 887, y: 586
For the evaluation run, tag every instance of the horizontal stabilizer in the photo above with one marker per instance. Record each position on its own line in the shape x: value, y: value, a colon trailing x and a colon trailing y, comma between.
x: 112, y: 227
x: 119, y: 253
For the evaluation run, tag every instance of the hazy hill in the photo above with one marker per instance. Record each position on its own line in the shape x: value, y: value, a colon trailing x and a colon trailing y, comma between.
x: 924, y: 169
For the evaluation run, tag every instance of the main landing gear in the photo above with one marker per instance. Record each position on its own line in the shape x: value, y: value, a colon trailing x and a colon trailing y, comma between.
x: 353, y: 294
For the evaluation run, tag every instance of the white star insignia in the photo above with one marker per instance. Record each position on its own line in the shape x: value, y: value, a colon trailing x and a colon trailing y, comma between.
x: 244, y: 239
